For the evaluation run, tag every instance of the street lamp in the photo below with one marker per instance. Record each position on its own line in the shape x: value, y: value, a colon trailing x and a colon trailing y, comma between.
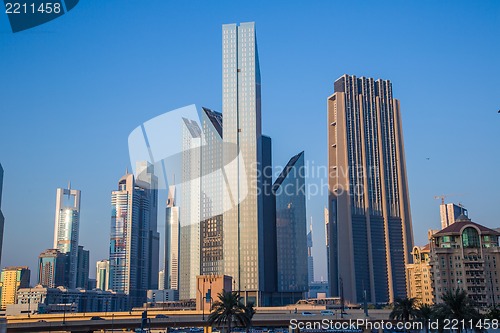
x: 64, y: 309
x: 29, y: 304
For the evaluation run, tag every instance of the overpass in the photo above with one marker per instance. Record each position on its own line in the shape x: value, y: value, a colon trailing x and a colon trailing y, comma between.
x: 79, y: 323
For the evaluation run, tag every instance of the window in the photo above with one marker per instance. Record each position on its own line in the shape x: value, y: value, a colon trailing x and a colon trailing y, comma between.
x: 470, y: 238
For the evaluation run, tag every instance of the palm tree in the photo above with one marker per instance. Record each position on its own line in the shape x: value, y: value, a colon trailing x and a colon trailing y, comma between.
x: 404, y: 309
x: 493, y: 313
x: 249, y: 312
x: 425, y: 313
x: 457, y: 305
x: 228, y: 310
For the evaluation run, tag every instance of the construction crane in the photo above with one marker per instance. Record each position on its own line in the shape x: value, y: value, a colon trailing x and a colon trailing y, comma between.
x: 444, y: 196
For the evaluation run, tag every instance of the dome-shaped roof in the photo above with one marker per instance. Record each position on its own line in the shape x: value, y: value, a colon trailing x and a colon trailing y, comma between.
x: 462, y: 218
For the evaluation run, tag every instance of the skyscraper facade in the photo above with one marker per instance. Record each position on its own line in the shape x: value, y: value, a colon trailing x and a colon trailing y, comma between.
x: 147, y: 180
x: 82, y: 278
x: 161, y: 279
x: 291, y: 227
x: 11, y: 280
x: 2, y: 219
x: 190, y: 263
x: 212, y: 185
x: 66, y: 230
x: 132, y: 211
x: 369, y: 209
x: 51, y: 268
x: 172, y: 242
x: 310, y: 259
x: 243, y: 218
x: 102, y: 274
x: 449, y: 213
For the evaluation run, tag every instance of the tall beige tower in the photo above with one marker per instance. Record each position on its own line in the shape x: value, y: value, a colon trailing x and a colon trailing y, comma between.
x: 370, y: 234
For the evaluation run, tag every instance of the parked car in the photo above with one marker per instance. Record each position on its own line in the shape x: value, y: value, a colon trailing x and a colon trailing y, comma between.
x: 97, y: 318
x: 161, y: 316
x: 327, y: 313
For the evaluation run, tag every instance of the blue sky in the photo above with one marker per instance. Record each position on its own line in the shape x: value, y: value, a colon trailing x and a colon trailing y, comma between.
x: 73, y: 89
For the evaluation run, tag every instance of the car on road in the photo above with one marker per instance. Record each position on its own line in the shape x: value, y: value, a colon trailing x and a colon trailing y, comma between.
x: 307, y: 313
x: 161, y: 316
x: 97, y: 318
x: 327, y: 313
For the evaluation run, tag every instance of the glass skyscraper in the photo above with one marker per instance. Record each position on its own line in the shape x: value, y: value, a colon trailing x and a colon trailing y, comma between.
x: 66, y: 230
x: 370, y: 234
x: 190, y: 209
x: 133, y: 210
x: 51, y: 268
x: 82, y: 278
x: 244, y: 212
x: 172, y: 239
x: 102, y: 274
x: 291, y: 221
x: 310, y: 259
x: 212, y: 187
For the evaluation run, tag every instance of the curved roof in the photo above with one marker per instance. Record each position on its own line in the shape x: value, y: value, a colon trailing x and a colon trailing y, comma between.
x: 457, y: 227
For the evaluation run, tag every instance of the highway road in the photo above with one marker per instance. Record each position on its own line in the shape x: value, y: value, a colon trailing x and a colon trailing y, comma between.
x: 125, y: 321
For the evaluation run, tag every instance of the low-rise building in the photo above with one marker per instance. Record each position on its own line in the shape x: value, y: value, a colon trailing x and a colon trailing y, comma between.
x: 209, y: 286
x: 318, y: 289
x: 466, y: 255
x: 11, y: 279
x: 41, y: 299
x: 162, y: 295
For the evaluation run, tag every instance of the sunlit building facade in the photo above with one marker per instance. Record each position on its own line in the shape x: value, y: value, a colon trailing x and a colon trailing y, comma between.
x: 66, y: 230
x: 2, y: 219
x: 466, y: 255
x: 11, y: 279
x: 102, y: 274
x: 244, y: 225
x: 172, y: 242
x: 449, y: 212
x: 133, y: 207
x: 189, y: 266
x: 418, y: 275
x: 369, y: 208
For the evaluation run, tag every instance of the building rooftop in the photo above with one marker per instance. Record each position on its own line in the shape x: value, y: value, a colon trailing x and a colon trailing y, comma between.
x: 461, y: 222
x: 286, y: 170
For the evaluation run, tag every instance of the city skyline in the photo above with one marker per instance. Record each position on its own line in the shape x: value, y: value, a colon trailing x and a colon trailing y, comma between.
x: 402, y: 86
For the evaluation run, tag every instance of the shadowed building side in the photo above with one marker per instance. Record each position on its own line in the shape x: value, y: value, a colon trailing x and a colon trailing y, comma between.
x: 291, y: 221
